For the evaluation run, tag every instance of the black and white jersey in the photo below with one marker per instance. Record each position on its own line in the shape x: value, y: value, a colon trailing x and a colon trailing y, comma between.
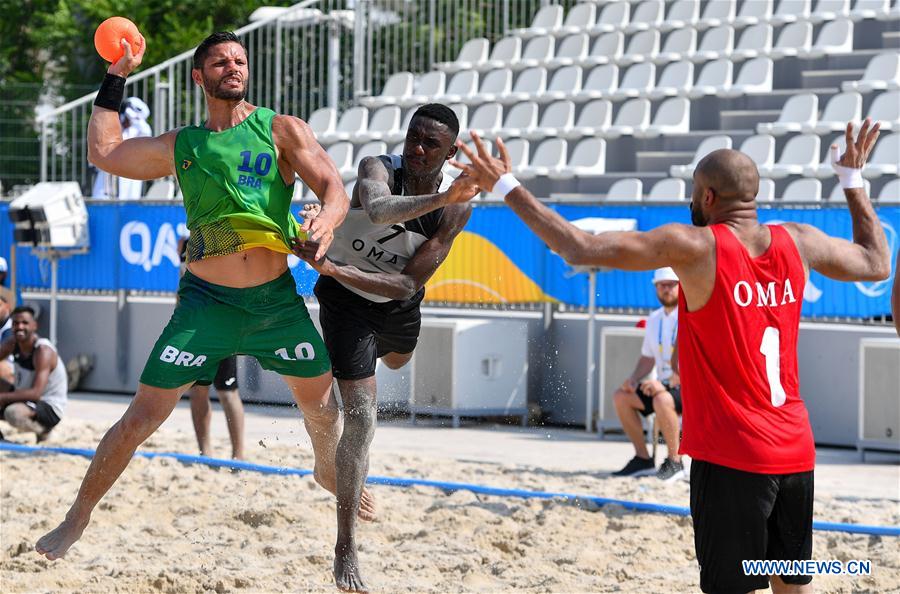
x: 383, y: 248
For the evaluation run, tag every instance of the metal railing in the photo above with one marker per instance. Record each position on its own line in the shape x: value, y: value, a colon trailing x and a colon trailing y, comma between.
x: 314, y: 54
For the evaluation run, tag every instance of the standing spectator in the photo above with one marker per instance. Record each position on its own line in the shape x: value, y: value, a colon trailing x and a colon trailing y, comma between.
x: 133, y: 116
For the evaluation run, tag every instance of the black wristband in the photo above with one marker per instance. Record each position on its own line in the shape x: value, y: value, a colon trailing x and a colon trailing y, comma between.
x: 111, y: 92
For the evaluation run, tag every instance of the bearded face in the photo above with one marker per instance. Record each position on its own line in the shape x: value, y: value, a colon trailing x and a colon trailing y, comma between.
x: 225, y: 72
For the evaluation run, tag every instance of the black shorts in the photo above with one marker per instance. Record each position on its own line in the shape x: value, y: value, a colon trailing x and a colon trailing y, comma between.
x: 358, y: 331
x: 226, y: 375
x: 43, y: 413
x: 746, y: 516
x: 648, y: 401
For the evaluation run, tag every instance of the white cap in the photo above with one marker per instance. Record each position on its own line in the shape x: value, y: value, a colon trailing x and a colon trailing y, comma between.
x: 3, y: 265
x: 661, y: 275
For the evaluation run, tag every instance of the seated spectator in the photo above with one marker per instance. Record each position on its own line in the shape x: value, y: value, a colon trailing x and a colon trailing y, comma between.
x: 662, y: 395
x: 40, y: 393
x: 7, y: 373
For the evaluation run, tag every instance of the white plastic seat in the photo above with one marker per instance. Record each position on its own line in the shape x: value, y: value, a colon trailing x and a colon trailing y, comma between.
x: 716, y: 43
x: 323, y: 121
x: 643, y: 47
x: 473, y: 54
x: 633, y: 116
x: 370, y: 149
x: 755, y: 41
x: 549, y: 157
x: 761, y: 150
x: 798, y: 111
x: 679, y: 44
x: 755, y: 77
x: 800, y: 152
x: 398, y: 150
x: 673, y: 116
x: 667, y: 189
x: 518, y: 150
x: 352, y: 124
x: 608, y: 48
x: 753, y: 13
x: 595, y: 117
x: 648, y: 15
x: 790, y: 11
x: 400, y: 133
x: 398, y: 87
x: 885, y: 157
x: 638, y: 79
x: 885, y: 109
x: 766, y: 191
x: 557, y: 118
x: 431, y: 84
x: 717, y: 14
x: 682, y: 13
x: 462, y: 114
x: 505, y: 52
x: 824, y: 169
x: 837, y: 192
x: 588, y: 159
x: 547, y: 20
x: 793, y: 40
x: 487, y: 119
x: 613, y: 17
x: 715, y: 77
x: 341, y: 153
x: 601, y: 83
x: 803, y: 190
x: 521, y: 119
x: 161, y: 189
x: 676, y: 80
x: 461, y: 88
x: 882, y: 72
x: 530, y: 84
x: 890, y: 192
x: 629, y: 189
x: 870, y: 9
x: 579, y: 19
x: 829, y: 10
x: 384, y: 123
x: 565, y: 83
x: 494, y: 85
x: 840, y: 109
x: 836, y: 37
x: 572, y: 50
x: 538, y: 52
x: 708, y: 145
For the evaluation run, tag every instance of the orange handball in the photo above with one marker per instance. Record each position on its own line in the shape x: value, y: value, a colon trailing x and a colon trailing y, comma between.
x: 109, y: 35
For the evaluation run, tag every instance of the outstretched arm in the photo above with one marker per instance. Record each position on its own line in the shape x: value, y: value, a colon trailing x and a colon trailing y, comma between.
x: 383, y: 208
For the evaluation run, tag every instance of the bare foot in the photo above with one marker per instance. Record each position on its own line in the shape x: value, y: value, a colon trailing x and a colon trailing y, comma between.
x: 56, y: 543
x: 367, y: 511
x: 346, y: 570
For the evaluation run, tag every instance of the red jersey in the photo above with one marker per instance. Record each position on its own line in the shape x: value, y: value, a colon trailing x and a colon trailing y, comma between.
x: 738, y: 361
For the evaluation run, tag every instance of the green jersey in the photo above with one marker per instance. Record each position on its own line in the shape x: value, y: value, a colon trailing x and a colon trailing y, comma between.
x: 234, y: 194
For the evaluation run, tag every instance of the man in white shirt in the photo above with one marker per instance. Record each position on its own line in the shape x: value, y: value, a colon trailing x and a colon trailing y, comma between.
x: 661, y: 395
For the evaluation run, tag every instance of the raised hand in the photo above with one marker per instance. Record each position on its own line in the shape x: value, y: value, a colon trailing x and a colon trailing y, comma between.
x: 130, y: 61
x: 858, y: 150
x: 483, y: 169
x: 462, y: 189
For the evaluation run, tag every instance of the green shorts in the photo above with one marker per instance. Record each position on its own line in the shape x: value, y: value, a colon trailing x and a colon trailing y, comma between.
x: 212, y: 322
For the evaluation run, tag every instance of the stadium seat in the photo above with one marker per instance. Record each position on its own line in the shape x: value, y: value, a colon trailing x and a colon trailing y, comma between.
x: 462, y: 114
x: 708, y: 145
x: 676, y: 80
x: 161, y: 189
x: 579, y: 19
x: 430, y: 85
x: 829, y: 10
x: 398, y: 150
x: 679, y: 44
x: 487, y: 119
x: 557, y: 117
x: 837, y: 192
x: 547, y: 20
x: 766, y: 191
x: 648, y: 15
x: 398, y: 87
x: 342, y: 155
x: 803, y: 190
x: 755, y: 41
x: 840, y: 109
x: 322, y: 121
x: 608, y: 48
x: 572, y: 50
x: 369, y: 149
x: 800, y: 152
x: 637, y: 79
x: 634, y: 115
x: 629, y: 189
x: 565, y: 82
x: 886, y: 110
x: 517, y: 149
x: 717, y: 14
x: 753, y: 13
x: 882, y: 72
x: 755, y: 77
x: 793, y: 40
x: 673, y: 116
x: 595, y: 116
x: 870, y: 9
x: 716, y: 43
x: 384, y: 123
x: 682, y: 14
x: 613, y: 17
x: 823, y: 169
x: 798, y: 111
x: 890, y: 192
x: 530, y: 84
x: 399, y: 134
x: 670, y: 188
x: 761, y: 150
x: 538, y: 52
x: 836, y: 37
x: 494, y: 85
x: 588, y: 159
x: 505, y: 52
x: 461, y: 88
x: 521, y: 119
x: 601, y: 83
x: 643, y: 47
x: 473, y: 54
x: 352, y: 124
x: 715, y: 77
x: 885, y: 157
x: 790, y: 11
x: 550, y: 157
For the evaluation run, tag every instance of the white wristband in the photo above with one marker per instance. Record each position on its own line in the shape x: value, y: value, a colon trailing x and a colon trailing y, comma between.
x: 506, y: 184
x: 848, y: 177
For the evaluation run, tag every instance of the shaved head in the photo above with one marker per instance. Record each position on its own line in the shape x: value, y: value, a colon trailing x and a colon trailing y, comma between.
x: 730, y: 176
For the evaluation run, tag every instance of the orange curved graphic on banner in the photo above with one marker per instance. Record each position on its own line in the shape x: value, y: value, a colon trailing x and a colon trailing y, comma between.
x: 477, y: 271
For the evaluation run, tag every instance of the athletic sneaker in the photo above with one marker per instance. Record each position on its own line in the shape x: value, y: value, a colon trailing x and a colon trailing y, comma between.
x: 637, y: 467
x: 670, y: 470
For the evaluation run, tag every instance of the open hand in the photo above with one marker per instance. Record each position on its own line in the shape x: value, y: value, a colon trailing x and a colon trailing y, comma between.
x: 858, y: 150
x: 319, y: 229
x: 131, y: 60
x: 483, y: 168
x: 462, y: 189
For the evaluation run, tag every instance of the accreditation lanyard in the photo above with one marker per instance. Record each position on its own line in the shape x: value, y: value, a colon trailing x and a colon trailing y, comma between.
x: 662, y: 320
